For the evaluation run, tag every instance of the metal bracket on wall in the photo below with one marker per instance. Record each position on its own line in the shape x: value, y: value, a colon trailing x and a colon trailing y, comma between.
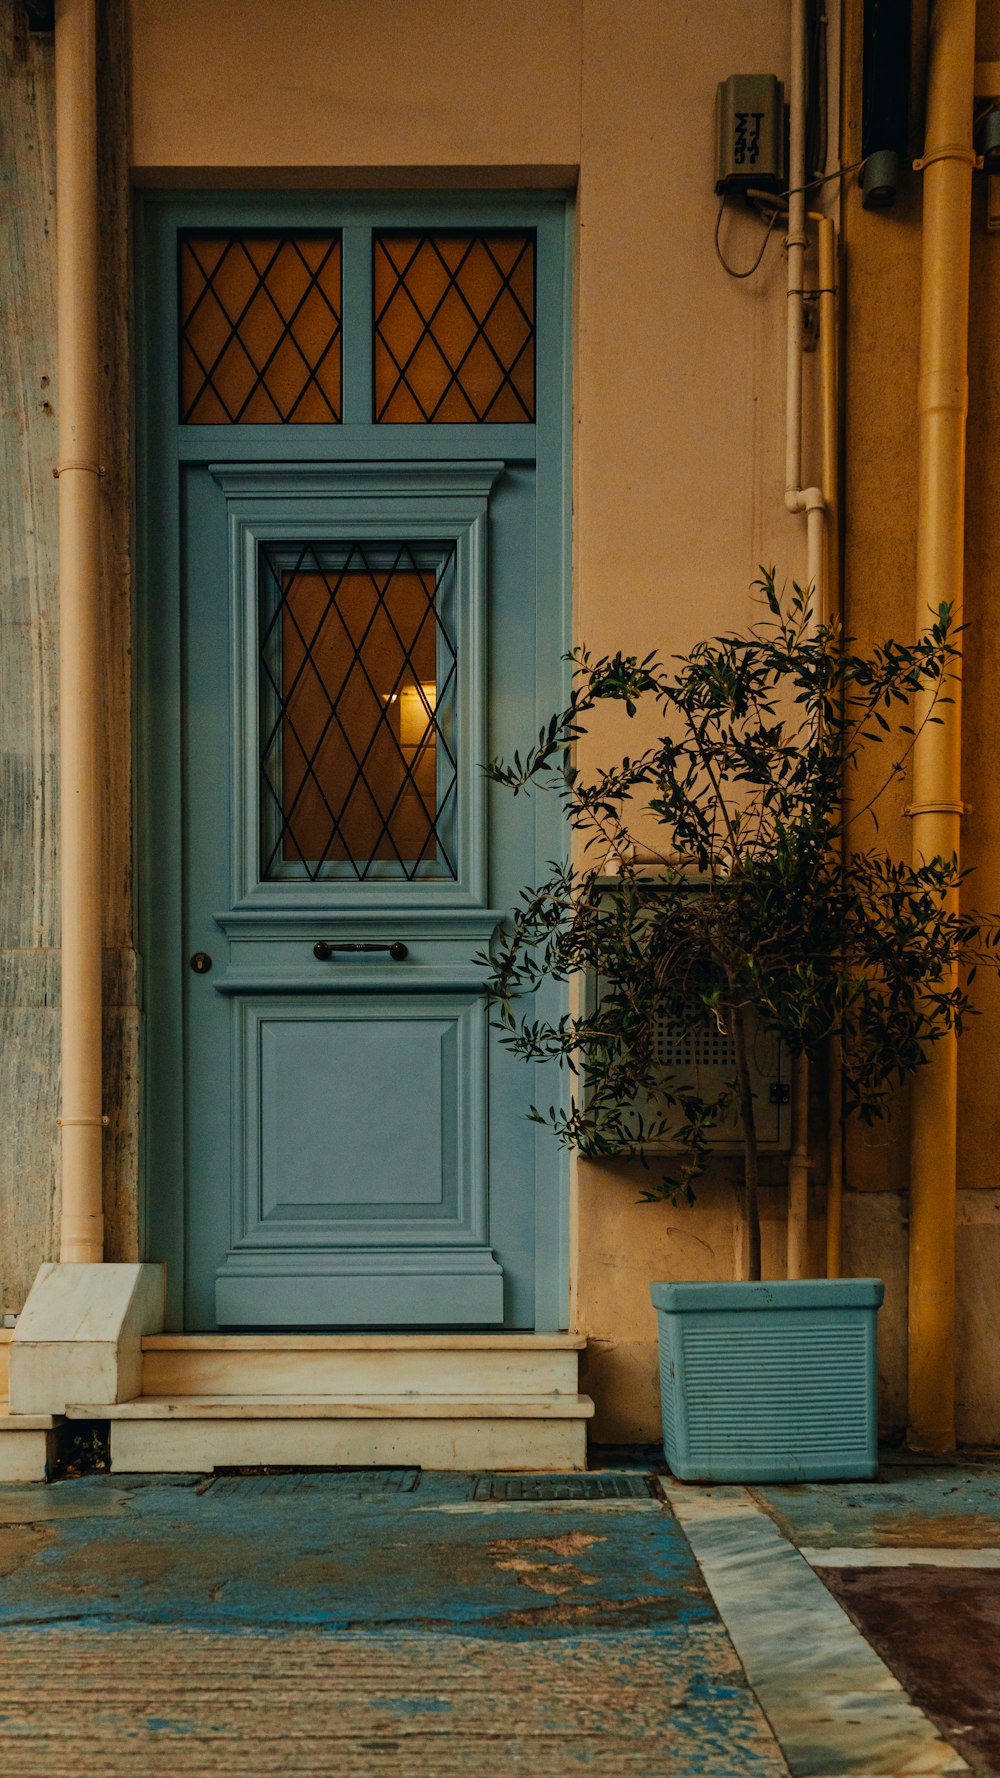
x: 41, y: 14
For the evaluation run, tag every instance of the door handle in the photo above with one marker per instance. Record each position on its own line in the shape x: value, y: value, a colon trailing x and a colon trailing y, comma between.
x: 324, y: 951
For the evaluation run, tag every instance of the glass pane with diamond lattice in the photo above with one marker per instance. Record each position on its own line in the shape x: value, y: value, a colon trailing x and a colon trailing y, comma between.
x: 260, y: 328
x: 358, y: 774
x: 454, y: 327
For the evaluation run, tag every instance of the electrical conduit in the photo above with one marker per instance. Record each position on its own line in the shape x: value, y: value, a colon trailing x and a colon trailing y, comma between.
x: 810, y: 501
x: 797, y: 498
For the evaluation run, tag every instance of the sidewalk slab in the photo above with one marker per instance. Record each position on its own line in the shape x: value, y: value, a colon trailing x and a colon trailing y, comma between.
x: 393, y: 1622
x: 346, y: 1551
x: 939, y: 1631
x: 914, y: 1560
x: 952, y: 1503
x: 834, y: 1705
x: 370, y: 1623
x: 176, y: 1703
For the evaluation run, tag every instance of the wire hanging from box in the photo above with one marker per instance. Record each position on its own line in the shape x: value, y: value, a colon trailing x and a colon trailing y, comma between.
x: 720, y: 256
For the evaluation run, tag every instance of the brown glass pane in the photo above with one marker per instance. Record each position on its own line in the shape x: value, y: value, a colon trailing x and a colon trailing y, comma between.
x: 260, y: 329
x: 358, y: 681
x: 454, y: 327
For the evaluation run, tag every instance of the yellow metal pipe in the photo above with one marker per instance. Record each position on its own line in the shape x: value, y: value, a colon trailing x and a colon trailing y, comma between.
x: 826, y: 234
x: 82, y: 1227
x: 829, y: 354
x: 797, y: 1260
x: 936, y: 808
x: 835, y: 1162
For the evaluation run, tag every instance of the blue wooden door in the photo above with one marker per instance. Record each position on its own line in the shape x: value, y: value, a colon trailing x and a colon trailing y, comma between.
x: 363, y: 594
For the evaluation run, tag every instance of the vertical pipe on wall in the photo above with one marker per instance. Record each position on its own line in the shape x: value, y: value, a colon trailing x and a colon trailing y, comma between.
x: 796, y: 242
x: 797, y: 498
x: 82, y: 1227
x: 829, y: 352
x: 798, y: 1173
x: 826, y: 234
x: 936, y: 809
x: 809, y: 501
x: 822, y: 555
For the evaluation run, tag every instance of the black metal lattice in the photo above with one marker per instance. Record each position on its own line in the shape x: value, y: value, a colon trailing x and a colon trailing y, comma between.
x: 449, y: 345
x: 563, y: 1487
x: 327, y: 652
x: 260, y: 328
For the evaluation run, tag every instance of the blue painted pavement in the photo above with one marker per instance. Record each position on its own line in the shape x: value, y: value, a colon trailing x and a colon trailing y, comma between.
x: 345, y: 1623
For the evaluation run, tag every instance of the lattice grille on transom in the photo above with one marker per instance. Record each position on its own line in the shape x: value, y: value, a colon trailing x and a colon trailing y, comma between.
x: 454, y: 327
x: 260, y: 328
x: 359, y: 773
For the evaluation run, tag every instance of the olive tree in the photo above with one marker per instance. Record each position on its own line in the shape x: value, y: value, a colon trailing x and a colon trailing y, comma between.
x: 766, y: 907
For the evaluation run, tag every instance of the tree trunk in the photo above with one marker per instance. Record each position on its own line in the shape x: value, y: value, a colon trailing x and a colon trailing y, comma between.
x: 751, y: 1176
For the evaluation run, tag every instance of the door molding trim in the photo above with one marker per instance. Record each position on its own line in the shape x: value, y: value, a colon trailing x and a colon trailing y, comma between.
x: 163, y: 448
x: 347, y: 481
x: 441, y: 503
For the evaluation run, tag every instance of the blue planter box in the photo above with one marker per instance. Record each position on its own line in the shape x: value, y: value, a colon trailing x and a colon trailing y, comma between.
x: 772, y: 1382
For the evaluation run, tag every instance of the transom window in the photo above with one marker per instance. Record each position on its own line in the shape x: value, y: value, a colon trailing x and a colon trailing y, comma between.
x: 454, y: 327
x: 260, y: 326
x: 267, y: 335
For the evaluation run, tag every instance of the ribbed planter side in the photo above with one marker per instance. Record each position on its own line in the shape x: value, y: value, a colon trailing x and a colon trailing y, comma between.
x: 771, y: 1382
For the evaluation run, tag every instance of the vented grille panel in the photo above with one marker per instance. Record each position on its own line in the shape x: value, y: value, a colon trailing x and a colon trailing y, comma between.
x: 342, y: 1484
x: 562, y: 1487
x: 702, y: 1045
x: 790, y: 1387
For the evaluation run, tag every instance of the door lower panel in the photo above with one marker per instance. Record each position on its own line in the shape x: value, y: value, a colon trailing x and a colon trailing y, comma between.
x: 337, y: 1289
x: 362, y: 1168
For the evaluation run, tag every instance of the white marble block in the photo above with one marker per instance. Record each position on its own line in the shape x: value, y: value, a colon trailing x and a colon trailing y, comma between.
x: 78, y: 1337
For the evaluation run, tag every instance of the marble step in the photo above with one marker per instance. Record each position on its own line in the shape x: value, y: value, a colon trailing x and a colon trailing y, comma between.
x: 360, y: 1364
x: 26, y: 1445
x: 338, y: 1407
x: 456, y: 1432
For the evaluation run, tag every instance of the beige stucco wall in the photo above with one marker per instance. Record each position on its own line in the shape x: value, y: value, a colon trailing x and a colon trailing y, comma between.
x: 678, y: 430
x: 678, y: 482
x: 323, y: 88
x: 679, y: 453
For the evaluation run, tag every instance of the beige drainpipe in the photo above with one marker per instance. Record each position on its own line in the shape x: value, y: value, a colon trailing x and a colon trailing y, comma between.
x: 810, y: 502
x: 937, y: 785
x: 82, y: 1120
x: 829, y: 353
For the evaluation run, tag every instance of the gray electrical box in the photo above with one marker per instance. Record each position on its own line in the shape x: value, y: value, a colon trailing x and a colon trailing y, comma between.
x: 750, y: 134
x: 698, y: 1054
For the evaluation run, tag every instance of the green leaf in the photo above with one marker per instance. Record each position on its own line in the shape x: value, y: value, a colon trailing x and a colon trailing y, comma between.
x: 775, y: 913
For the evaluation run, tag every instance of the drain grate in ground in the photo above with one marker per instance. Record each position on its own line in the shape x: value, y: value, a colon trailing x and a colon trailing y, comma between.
x: 562, y: 1487
x: 344, y: 1484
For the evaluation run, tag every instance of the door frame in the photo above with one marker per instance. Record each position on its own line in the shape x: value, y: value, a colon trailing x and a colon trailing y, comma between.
x: 162, y: 446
